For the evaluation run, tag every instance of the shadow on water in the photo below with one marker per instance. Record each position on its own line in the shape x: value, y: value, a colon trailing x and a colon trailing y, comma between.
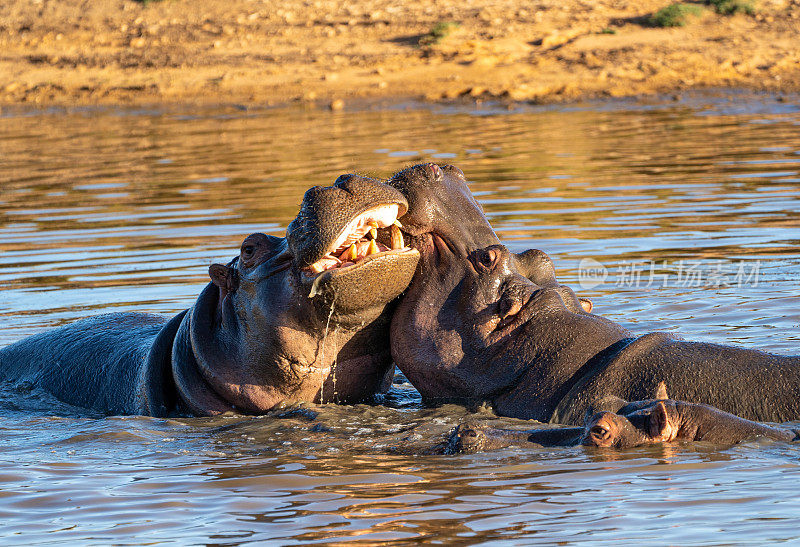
x: 104, y: 211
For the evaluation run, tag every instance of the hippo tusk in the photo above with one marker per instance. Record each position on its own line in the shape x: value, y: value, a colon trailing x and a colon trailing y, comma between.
x: 397, y: 236
x: 373, y: 248
x: 352, y: 253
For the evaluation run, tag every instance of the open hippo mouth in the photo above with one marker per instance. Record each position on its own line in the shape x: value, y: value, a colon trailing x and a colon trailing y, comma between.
x: 365, y: 237
x: 371, y: 245
x: 348, y: 245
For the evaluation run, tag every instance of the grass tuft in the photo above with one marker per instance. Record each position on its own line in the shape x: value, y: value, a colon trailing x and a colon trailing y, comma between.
x: 439, y: 32
x: 675, y: 15
x: 731, y: 7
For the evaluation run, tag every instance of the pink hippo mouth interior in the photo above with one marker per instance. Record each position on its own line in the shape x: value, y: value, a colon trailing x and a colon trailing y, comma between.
x: 359, y: 240
x: 368, y: 261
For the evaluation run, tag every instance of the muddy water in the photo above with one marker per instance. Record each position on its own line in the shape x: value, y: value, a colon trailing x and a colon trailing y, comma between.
x: 681, y: 217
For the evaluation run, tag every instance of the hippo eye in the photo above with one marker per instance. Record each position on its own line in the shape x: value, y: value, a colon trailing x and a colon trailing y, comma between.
x: 248, y: 250
x: 599, y: 430
x: 487, y: 259
x: 484, y: 259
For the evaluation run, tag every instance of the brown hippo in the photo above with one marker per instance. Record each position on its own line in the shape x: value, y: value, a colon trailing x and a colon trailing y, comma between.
x: 634, y: 424
x: 301, y: 318
x: 488, y: 325
x: 650, y: 422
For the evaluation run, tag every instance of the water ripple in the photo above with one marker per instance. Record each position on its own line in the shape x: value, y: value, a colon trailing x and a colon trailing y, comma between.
x: 123, y: 211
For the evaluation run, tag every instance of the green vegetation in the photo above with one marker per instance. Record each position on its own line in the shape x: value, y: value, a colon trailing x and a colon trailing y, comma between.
x: 679, y: 13
x: 675, y: 15
x: 439, y: 32
x: 608, y: 30
x: 731, y: 7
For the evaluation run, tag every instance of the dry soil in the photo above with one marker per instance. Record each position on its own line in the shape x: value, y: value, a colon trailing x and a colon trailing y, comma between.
x: 256, y: 52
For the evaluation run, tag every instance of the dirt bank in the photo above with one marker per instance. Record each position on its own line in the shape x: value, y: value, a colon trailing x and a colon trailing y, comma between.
x: 74, y: 52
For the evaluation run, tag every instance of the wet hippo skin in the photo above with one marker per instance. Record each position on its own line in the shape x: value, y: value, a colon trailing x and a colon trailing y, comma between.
x: 634, y: 424
x: 481, y: 324
x: 266, y: 331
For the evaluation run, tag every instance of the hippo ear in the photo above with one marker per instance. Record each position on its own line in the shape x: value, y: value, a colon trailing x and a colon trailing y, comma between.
x: 658, y: 420
x: 224, y: 278
x: 586, y: 304
x: 536, y: 266
x: 661, y: 391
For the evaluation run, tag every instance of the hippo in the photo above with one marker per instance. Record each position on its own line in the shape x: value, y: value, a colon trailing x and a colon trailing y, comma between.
x: 298, y: 318
x: 652, y: 422
x: 481, y: 324
x: 637, y: 423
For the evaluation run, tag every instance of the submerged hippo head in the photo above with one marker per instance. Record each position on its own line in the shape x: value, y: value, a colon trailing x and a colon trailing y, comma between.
x: 301, y: 318
x: 663, y: 420
x: 643, y: 422
x: 609, y: 430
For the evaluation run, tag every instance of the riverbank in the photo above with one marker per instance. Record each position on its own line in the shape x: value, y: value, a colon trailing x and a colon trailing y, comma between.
x: 257, y: 52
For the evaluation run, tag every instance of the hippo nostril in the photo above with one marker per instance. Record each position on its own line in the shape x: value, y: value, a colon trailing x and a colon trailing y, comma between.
x: 509, y: 306
x: 455, y: 171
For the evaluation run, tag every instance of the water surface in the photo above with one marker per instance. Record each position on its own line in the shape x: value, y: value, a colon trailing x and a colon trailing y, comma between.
x: 684, y: 217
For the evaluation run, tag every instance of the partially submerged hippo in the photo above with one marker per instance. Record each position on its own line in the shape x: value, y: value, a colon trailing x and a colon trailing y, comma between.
x: 637, y: 423
x: 301, y: 318
x: 488, y: 325
x: 651, y: 422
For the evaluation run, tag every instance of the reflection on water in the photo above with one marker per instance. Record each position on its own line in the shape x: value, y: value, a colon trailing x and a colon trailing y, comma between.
x: 108, y: 211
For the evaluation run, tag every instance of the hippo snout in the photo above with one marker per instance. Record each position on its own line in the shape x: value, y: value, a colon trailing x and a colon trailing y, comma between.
x: 466, y: 438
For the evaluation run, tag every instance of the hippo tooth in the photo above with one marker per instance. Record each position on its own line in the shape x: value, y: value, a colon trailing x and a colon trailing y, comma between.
x: 397, y: 237
x: 352, y: 253
x: 316, y: 268
x: 381, y: 215
x: 373, y: 229
x: 373, y: 248
x: 397, y: 223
